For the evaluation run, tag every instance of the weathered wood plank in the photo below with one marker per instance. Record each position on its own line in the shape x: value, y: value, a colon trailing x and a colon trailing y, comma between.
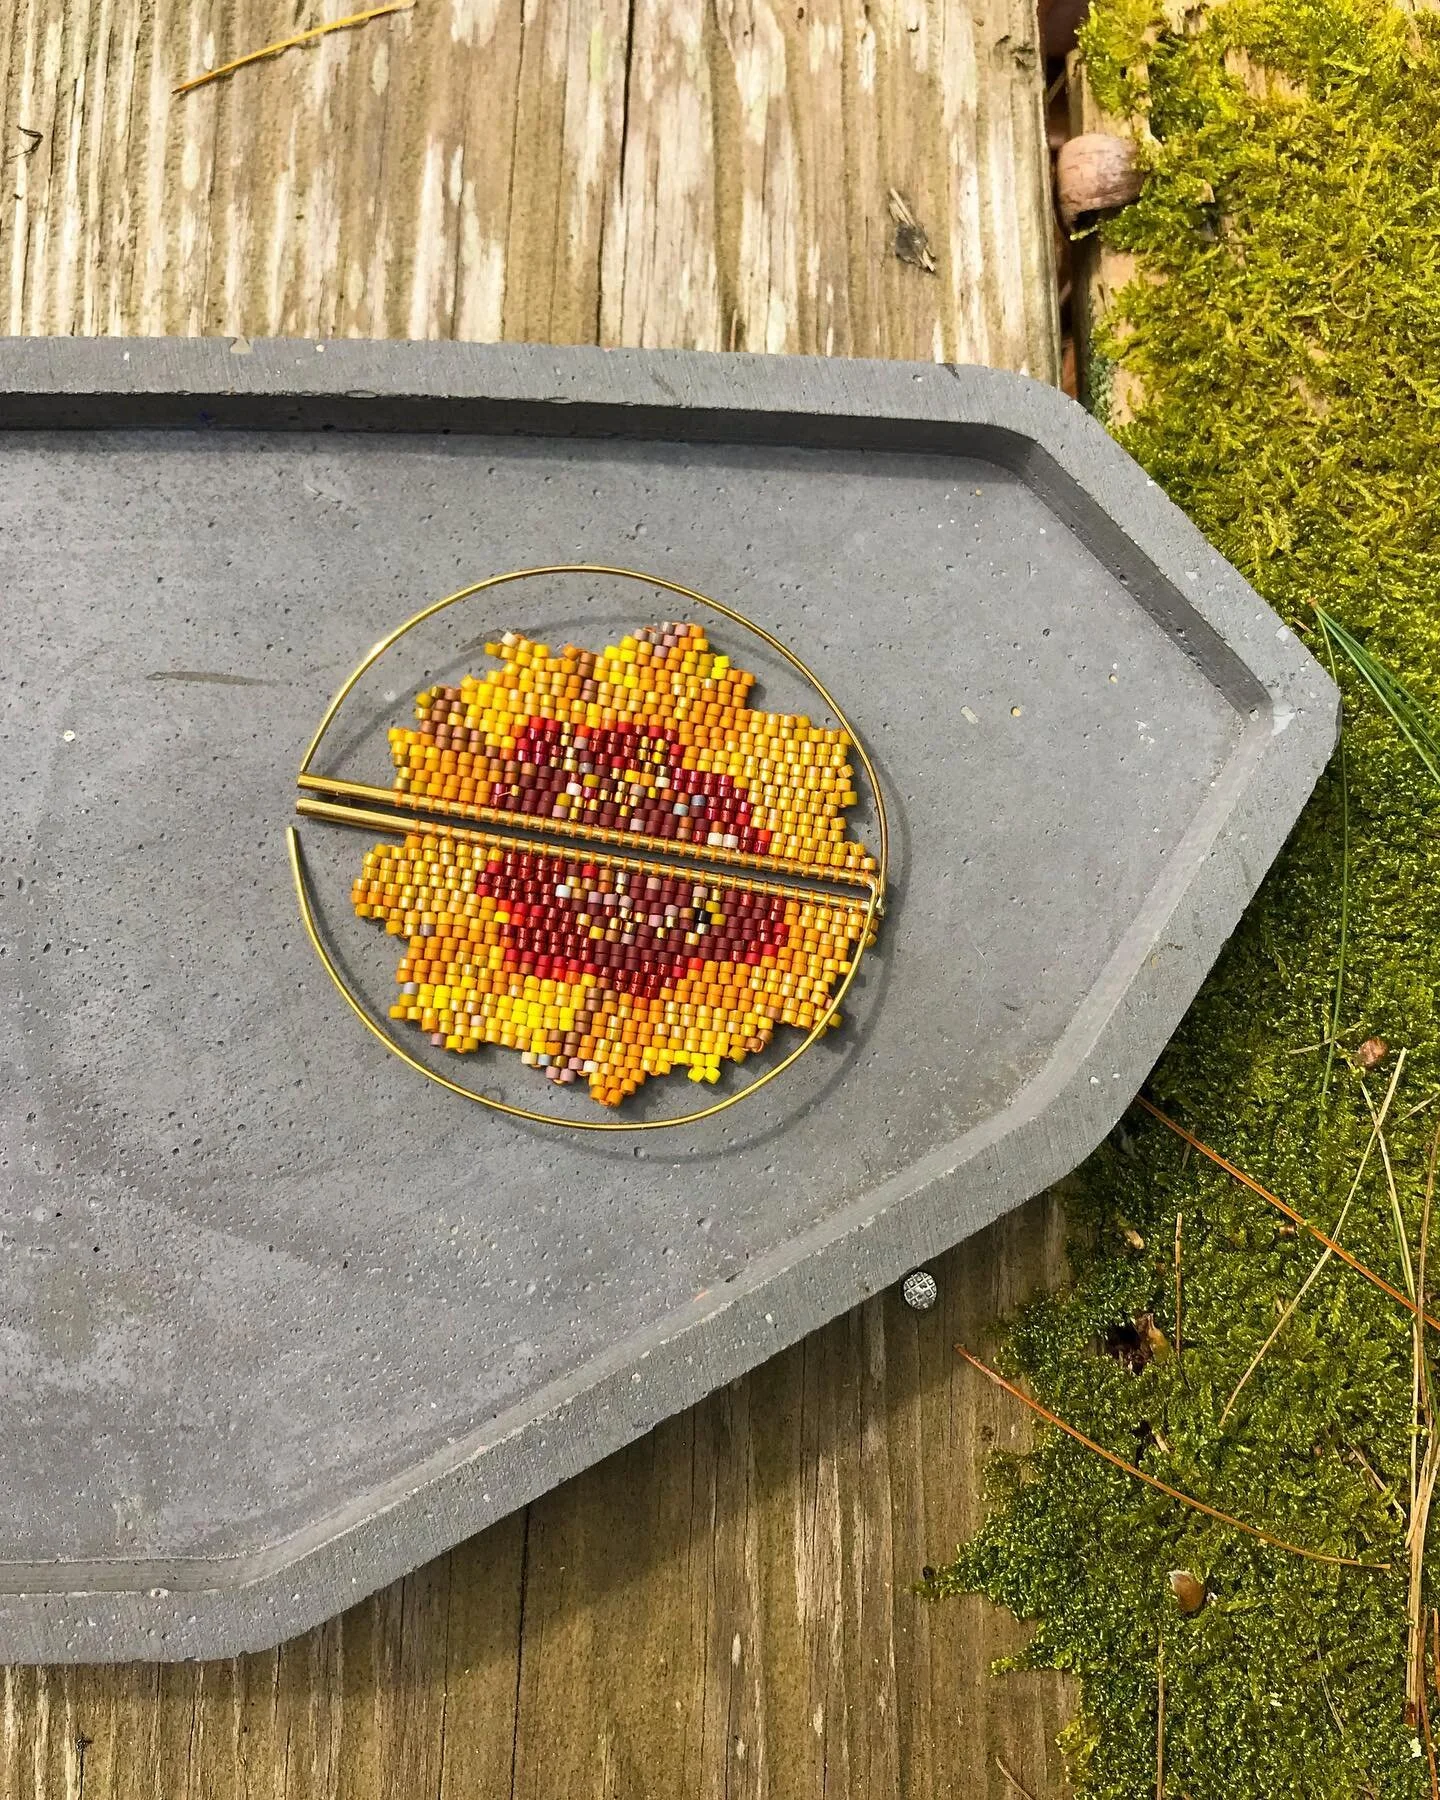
x: 1100, y: 271
x: 724, y: 1608
x: 712, y: 173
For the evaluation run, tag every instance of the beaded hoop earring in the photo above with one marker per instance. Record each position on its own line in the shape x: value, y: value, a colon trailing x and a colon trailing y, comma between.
x: 341, y: 806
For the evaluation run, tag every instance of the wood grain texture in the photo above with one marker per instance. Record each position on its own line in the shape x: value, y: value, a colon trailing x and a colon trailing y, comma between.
x: 706, y: 173
x: 722, y: 1611
x: 726, y: 1607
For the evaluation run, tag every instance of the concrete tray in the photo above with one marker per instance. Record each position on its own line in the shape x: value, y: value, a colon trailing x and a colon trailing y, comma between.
x: 279, y: 1319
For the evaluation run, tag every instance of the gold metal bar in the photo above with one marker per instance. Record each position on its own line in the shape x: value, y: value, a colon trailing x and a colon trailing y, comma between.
x: 599, y: 834
x: 330, y: 814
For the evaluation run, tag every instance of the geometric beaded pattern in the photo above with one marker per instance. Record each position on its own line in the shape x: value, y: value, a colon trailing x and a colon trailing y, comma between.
x: 651, y: 736
x: 593, y: 971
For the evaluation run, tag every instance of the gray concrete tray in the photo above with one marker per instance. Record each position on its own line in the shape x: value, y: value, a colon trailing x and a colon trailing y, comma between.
x: 278, y: 1319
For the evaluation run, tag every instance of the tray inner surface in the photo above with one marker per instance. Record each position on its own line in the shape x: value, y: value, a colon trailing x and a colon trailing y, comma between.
x: 252, y: 1267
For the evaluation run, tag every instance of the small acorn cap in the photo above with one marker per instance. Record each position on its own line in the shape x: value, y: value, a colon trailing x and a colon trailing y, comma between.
x: 1189, y: 1591
x: 1094, y: 173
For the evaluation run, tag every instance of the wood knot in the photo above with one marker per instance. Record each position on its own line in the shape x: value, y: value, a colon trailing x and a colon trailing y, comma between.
x: 911, y: 243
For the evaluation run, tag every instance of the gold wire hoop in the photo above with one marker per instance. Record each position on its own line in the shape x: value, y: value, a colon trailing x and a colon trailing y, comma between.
x: 874, y: 909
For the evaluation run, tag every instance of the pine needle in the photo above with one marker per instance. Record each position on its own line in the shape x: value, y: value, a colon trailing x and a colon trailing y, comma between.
x: 1329, y: 1698
x: 1420, y: 1372
x: 1334, y: 1031
x: 1179, y: 1339
x: 1295, y: 1218
x: 1331, y: 1248
x: 1152, y: 1481
x: 1429, y: 1744
x: 1416, y: 726
x: 1415, y: 1611
x: 290, y: 43
x: 1402, y: 1240
x: 1160, y: 1720
x: 1013, y: 1779
x: 1422, y: 1495
x: 1435, y: 1647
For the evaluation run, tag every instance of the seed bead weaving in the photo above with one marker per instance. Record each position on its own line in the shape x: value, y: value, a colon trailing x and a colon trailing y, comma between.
x: 651, y: 736
x: 596, y: 970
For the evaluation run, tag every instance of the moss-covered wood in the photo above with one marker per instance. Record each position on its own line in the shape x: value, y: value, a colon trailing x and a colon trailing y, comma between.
x: 1282, y: 349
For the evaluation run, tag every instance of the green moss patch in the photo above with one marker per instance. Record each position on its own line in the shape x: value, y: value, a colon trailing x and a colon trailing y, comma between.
x: 1285, y: 333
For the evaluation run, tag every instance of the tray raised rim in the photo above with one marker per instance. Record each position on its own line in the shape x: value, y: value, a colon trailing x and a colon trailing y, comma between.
x: 71, y: 1612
